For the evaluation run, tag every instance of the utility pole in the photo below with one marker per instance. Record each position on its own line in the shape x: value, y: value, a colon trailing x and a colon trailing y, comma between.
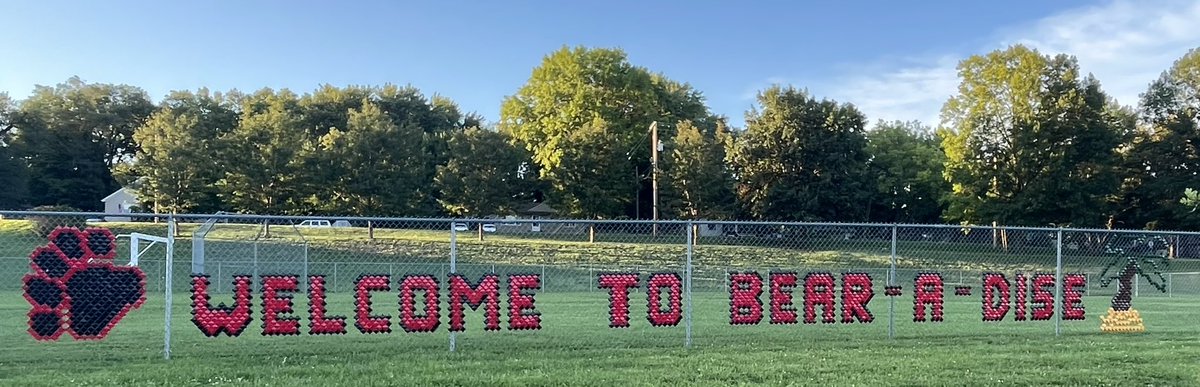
x: 655, y: 147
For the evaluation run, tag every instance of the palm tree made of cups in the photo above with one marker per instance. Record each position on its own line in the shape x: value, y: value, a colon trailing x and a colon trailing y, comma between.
x: 1130, y: 263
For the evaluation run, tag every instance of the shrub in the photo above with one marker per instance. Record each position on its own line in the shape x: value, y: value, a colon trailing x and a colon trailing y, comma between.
x: 43, y: 225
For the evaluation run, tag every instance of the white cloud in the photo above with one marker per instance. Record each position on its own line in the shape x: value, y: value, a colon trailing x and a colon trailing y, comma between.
x: 913, y: 92
x: 1125, y: 43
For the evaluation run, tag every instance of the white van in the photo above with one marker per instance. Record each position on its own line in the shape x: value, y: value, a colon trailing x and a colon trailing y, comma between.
x: 314, y: 223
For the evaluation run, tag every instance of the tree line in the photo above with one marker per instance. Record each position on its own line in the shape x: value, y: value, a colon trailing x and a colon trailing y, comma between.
x: 1027, y: 140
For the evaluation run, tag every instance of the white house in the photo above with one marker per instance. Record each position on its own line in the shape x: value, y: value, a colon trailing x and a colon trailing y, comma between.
x: 710, y: 229
x: 119, y: 202
x: 541, y: 211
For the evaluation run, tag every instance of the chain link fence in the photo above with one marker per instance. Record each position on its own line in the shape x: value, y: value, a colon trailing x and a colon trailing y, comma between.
x: 69, y: 277
x: 483, y: 284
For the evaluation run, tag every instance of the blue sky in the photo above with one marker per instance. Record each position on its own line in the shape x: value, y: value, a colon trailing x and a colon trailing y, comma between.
x: 895, y: 60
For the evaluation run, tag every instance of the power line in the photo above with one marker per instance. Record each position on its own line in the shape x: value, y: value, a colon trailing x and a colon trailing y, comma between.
x: 629, y: 153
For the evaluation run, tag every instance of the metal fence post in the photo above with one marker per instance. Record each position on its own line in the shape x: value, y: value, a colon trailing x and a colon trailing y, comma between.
x: 453, y: 267
x: 1087, y: 278
x: 725, y: 280
x: 255, y: 269
x: 1058, y: 283
x: 892, y: 282
x: 305, y: 277
x: 167, y: 296
x: 687, y: 289
x: 135, y: 249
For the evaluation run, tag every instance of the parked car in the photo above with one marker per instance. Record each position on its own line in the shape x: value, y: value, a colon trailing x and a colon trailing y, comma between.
x: 460, y: 227
x: 488, y: 227
x: 341, y: 223
x: 314, y: 223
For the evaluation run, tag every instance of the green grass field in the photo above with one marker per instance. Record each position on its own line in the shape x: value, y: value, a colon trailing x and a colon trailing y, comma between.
x: 576, y: 346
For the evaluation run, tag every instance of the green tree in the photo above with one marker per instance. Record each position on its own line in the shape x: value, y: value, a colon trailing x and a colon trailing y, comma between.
x: 182, y: 155
x: 14, y: 176
x: 1191, y: 199
x: 423, y: 123
x: 802, y: 159
x: 487, y: 174
x: 73, y: 135
x: 437, y: 118
x: 408, y: 106
x: 8, y: 110
x: 571, y: 91
x: 1163, y: 159
x: 322, y: 111
x: 263, y: 170
x: 592, y: 176
x: 697, y: 170
x: 907, y: 160
x: 328, y: 107
x: 376, y: 167
x: 1029, y: 142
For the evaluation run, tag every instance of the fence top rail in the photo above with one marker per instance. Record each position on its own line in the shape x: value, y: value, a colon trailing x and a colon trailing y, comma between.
x: 879, y: 225
x: 1129, y: 231
x: 231, y: 216
x: 78, y: 214
x: 299, y: 218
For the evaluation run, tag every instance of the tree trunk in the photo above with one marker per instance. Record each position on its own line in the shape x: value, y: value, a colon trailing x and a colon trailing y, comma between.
x: 1124, y: 298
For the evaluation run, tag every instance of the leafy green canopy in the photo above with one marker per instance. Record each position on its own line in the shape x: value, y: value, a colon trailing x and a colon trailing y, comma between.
x: 72, y: 136
x: 353, y: 150
x: 702, y: 182
x: 182, y: 153
x: 584, y: 115
x: 13, y: 171
x: 485, y: 175
x: 1164, y: 159
x: 1029, y: 142
x: 906, y: 161
x: 802, y: 159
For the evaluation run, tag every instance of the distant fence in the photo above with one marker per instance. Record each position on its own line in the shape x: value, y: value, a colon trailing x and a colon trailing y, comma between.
x: 694, y: 280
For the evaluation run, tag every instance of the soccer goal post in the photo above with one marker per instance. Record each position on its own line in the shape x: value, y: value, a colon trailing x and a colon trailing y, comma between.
x: 137, y: 240
x: 1183, y: 284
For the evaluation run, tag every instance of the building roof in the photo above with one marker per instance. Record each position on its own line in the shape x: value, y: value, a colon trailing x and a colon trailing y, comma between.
x: 127, y: 191
x: 542, y: 208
